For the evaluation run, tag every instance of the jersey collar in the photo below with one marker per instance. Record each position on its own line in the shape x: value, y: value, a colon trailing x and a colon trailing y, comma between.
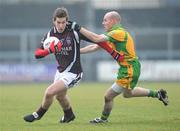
x: 116, y: 26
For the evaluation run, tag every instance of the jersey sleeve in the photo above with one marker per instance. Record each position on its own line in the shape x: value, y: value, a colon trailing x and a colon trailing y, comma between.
x: 42, y: 41
x: 116, y: 35
x: 82, y: 37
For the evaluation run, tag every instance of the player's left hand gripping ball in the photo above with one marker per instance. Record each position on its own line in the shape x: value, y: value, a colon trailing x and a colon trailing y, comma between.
x: 55, y: 47
x: 52, y: 44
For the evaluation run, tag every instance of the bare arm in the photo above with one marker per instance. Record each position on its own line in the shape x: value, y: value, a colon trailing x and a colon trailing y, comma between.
x: 93, y: 36
x: 89, y: 49
x: 100, y: 40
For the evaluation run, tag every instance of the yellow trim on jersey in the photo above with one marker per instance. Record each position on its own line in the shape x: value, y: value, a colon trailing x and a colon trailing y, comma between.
x: 130, y: 47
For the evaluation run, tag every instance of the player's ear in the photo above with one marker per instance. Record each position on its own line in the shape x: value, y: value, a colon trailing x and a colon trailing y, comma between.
x: 53, y: 20
x: 53, y: 23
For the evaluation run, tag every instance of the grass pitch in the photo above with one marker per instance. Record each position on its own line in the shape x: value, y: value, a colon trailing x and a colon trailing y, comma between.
x: 135, y: 114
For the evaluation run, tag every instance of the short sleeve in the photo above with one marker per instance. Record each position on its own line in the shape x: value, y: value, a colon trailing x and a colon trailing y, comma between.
x: 116, y: 35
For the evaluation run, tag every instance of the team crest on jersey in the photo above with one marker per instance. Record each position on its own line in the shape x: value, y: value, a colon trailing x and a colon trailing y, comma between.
x: 111, y: 33
x: 68, y: 40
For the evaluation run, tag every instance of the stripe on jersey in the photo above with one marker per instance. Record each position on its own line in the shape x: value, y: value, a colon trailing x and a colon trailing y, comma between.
x: 48, y: 34
x: 76, y: 36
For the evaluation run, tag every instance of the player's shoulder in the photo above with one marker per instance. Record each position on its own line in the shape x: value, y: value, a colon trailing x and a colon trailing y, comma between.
x: 114, y: 33
x: 117, y: 34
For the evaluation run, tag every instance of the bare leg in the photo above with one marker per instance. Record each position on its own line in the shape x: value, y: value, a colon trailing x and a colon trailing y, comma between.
x: 108, y: 105
x: 51, y: 91
x: 136, y: 92
x: 65, y: 104
x: 49, y: 94
x: 142, y: 92
x: 108, y: 102
x: 63, y: 100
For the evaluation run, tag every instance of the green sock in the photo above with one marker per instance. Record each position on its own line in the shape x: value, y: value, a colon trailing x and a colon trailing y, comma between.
x: 105, y: 115
x: 152, y: 93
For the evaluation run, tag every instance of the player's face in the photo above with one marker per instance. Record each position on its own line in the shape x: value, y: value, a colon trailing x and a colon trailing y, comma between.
x: 60, y: 24
x: 107, y: 23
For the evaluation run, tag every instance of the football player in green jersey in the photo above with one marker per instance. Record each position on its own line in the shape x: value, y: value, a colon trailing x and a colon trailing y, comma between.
x: 129, y: 68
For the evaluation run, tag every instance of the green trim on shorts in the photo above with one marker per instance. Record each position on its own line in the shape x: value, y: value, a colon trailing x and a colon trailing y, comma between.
x: 136, y: 73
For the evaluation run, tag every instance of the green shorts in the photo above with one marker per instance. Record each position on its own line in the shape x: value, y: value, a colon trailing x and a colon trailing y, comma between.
x: 128, y: 75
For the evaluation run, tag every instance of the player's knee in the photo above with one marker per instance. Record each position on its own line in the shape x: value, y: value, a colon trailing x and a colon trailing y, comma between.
x: 127, y: 95
x: 107, y: 98
x: 59, y: 97
x: 49, y: 93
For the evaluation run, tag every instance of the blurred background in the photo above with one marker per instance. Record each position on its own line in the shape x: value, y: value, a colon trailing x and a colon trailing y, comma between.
x: 154, y: 25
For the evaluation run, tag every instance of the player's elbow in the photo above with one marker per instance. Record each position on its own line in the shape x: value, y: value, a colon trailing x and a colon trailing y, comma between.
x: 96, y: 47
x: 37, y: 54
x: 97, y: 39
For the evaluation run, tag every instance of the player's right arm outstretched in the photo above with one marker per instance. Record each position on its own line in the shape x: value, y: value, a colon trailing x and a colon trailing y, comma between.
x: 40, y: 52
x: 100, y: 40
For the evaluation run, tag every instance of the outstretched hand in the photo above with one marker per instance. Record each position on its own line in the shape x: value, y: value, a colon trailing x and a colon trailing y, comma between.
x: 73, y: 25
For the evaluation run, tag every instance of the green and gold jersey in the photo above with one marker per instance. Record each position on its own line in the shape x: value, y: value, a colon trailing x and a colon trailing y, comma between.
x: 122, y: 41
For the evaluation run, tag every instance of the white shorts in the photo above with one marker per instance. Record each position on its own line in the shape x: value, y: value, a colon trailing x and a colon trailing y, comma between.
x: 68, y: 78
x: 116, y: 88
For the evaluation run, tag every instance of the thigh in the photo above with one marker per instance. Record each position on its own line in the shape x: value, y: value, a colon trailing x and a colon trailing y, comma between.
x: 69, y: 79
x: 110, y: 94
x: 57, y: 87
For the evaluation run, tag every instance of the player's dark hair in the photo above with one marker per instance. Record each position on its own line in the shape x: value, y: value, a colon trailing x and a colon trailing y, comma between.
x: 60, y: 13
